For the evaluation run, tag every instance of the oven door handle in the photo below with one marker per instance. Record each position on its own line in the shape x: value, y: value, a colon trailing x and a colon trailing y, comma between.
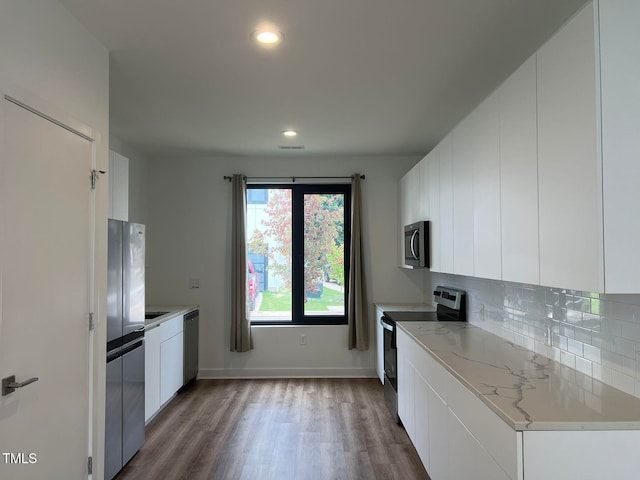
x: 385, y: 325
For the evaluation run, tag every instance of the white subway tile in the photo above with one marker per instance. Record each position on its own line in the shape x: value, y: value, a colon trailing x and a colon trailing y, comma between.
x: 568, y: 359
x: 592, y: 353
x: 584, y: 366
x: 623, y: 382
x: 575, y: 347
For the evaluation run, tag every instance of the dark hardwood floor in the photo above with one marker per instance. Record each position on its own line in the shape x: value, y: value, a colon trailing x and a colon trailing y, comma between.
x: 277, y: 429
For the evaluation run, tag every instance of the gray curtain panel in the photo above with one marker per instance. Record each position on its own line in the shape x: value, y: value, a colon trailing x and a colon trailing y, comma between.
x: 240, y: 324
x: 357, y: 308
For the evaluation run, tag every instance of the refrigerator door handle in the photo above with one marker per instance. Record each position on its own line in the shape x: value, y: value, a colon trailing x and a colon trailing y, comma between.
x: 124, y: 350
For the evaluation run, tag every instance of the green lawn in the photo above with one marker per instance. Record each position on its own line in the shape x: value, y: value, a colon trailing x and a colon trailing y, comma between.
x: 281, y: 302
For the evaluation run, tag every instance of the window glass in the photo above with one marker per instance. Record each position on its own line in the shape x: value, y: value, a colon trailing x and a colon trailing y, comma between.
x: 298, y: 253
x: 324, y: 254
x: 269, y: 248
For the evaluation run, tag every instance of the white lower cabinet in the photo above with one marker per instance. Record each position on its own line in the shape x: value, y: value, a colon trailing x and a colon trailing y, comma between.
x: 438, y: 455
x: 455, y: 434
x: 458, y: 437
x: 171, y: 362
x: 164, y: 361
x: 151, y: 372
x: 469, y: 459
x: 587, y: 455
x: 421, y: 418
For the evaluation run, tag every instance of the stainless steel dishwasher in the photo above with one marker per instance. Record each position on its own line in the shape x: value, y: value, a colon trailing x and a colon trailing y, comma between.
x: 191, y: 335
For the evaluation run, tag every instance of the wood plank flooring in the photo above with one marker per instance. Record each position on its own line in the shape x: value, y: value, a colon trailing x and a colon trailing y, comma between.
x: 277, y: 429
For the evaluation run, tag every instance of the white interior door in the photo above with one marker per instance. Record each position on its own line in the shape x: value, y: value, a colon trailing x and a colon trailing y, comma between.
x: 46, y: 222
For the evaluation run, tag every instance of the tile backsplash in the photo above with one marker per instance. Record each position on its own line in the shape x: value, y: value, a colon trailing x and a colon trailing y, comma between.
x: 594, y: 333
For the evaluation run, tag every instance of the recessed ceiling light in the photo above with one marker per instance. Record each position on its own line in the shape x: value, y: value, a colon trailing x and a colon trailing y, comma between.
x: 268, y: 37
x: 289, y: 133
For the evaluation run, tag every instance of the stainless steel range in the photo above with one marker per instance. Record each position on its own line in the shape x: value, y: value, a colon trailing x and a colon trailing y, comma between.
x: 451, y: 306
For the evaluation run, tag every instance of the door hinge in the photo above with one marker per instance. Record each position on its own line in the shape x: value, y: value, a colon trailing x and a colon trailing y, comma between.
x: 91, y: 322
x: 90, y: 465
x: 94, y: 177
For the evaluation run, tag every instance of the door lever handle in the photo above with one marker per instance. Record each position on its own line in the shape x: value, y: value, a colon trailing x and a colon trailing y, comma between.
x: 9, y: 384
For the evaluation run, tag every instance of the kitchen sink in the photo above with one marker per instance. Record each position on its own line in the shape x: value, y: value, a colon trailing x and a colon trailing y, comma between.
x: 150, y: 315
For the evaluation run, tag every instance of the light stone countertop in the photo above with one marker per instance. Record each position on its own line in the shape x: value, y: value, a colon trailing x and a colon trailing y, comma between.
x: 527, y: 390
x: 405, y: 307
x: 172, y: 311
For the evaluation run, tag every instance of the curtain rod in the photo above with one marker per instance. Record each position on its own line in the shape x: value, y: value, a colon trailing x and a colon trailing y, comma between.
x: 293, y: 179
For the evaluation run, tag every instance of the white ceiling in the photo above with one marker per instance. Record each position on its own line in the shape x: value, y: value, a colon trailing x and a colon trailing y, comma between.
x: 356, y: 77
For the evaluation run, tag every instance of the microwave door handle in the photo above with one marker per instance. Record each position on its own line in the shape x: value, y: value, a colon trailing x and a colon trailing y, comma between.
x: 411, y: 243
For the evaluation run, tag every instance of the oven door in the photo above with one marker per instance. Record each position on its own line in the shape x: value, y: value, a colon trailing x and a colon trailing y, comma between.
x: 411, y: 246
x: 390, y: 368
x: 390, y: 353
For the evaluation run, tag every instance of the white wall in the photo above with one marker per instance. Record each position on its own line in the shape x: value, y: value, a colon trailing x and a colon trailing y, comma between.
x: 188, y: 235
x: 48, y: 59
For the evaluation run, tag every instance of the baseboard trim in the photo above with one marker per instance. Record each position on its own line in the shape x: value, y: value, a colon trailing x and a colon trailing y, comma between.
x: 287, y: 373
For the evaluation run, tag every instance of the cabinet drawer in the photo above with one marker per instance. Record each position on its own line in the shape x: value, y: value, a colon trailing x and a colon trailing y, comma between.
x: 497, y: 438
x: 171, y: 328
x: 437, y: 377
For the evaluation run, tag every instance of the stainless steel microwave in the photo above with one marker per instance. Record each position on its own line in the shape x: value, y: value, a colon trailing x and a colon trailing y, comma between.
x: 416, y: 245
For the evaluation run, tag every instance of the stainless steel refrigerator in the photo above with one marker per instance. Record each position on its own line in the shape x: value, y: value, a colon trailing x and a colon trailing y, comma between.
x: 124, y: 423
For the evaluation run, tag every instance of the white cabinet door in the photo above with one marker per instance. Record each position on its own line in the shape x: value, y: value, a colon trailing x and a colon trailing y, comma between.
x: 171, y: 362
x: 379, y: 346
x: 519, y: 176
x: 118, y: 186
x: 434, y: 208
x: 568, y: 165
x: 408, y: 211
x: 438, y: 437
x: 410, y: 196
x: 421, y: 419
x: 424, y: 207
x: 405, y: 376
x: 620, y: 93
x: 487, y: 254
x: 587, y: 455
x: 463, y: 151
x: 477, y: 464
x: 465, y: 448
x: 151, y: 372
x: 445, y: 201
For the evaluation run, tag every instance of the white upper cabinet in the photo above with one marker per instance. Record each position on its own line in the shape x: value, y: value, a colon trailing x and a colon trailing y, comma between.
x: 568, y: 162
x: 539, y: 184
x: 409, y: 206
x: 619, y: 34
x: 463, y: 151
x: 410, y: 210
x: 118, y: 186
x: 423, y: 194
x: 445, y: 199
x: 435, y: 219
x: 519, y: 175
x: 589, y: 150
x: 487, y: 256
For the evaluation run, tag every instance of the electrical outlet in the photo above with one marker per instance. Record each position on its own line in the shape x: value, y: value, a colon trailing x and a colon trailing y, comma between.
x: 303, y: 339
x: 547, y: 336
x: 194, y: 283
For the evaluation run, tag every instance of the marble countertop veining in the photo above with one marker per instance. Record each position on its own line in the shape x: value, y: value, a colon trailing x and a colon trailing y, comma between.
x: 527, y: 390
x: 171, y: 312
